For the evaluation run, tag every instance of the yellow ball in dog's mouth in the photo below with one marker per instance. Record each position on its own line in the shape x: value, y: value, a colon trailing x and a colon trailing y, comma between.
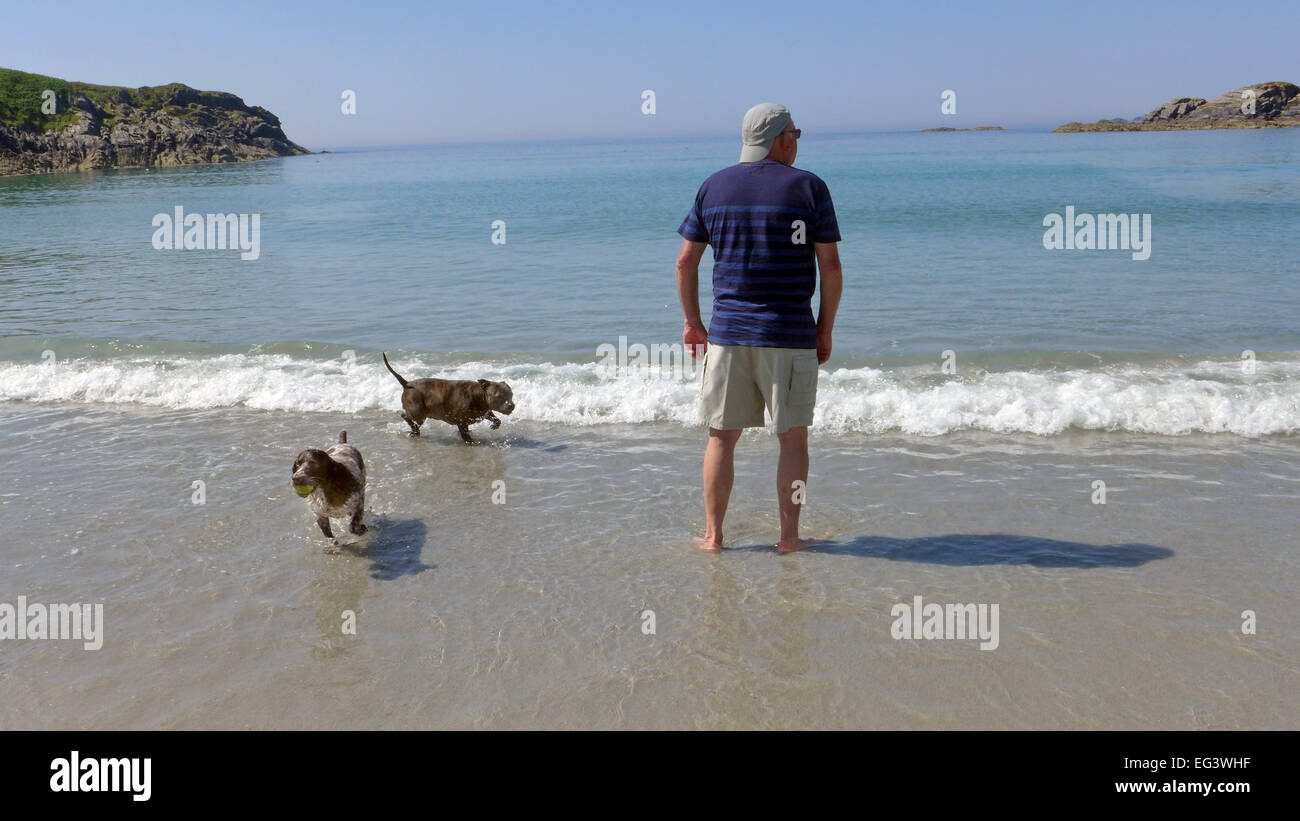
x: 303, y: 490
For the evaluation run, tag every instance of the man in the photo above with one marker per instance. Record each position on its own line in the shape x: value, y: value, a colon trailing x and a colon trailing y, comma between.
x: 771, y: 227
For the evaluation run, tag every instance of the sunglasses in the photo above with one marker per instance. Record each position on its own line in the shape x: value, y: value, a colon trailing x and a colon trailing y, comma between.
x: 794, y: 132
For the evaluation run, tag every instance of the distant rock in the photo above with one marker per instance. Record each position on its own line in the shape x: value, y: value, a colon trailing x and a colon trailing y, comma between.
x: 976, y: 128
x: 115, y: 127
x: 1263, y: 105
x: 1173, y: 109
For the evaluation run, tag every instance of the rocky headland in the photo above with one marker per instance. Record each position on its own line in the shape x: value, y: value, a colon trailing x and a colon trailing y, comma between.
x: 1263, y: 105
x: 49, y: 125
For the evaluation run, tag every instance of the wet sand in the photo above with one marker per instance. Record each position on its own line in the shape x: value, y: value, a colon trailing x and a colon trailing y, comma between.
x: 530, y: 613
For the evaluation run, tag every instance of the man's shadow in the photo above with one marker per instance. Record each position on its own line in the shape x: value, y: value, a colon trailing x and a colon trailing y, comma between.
x: 395, y: 548
x: 969, y: 549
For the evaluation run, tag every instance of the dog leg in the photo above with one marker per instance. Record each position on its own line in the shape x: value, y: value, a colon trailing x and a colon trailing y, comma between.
x: 356, y: 526
x: 415, y: 429
x: 324, y: 523
x: 464, y: 434
x: 491, y: 417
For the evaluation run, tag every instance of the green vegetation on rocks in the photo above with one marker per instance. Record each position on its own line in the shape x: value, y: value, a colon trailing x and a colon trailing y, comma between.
x: 98, y: 126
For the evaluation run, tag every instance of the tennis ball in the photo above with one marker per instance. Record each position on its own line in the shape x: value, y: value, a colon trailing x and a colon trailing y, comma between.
x: 303, y: 490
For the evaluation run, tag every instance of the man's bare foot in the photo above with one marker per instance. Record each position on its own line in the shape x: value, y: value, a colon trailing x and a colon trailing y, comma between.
x: 708, y: 543
x: 791, y: 545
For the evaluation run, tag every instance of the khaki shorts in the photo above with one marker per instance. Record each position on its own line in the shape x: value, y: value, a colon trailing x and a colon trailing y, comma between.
x: 740, y: 381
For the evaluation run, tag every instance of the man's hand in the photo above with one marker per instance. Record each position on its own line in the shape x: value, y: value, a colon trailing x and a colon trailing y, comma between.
x: 823, y: 346
x: 695, y: 334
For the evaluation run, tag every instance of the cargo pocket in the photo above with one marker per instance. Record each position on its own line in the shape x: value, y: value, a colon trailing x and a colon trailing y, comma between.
x: 803, y: 380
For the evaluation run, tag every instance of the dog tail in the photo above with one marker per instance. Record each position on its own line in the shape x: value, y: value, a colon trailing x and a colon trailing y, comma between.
x: 400, y: 378
x: 343, y: 437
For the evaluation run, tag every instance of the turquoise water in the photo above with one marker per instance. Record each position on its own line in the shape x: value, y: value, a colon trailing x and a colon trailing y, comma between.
x: 942, y: 246
x: 943, y: 251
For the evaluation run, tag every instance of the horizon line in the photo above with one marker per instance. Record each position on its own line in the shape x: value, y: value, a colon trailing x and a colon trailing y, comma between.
x: 629, y: 138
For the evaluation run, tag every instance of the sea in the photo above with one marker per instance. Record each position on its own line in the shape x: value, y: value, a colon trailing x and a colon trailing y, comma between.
x: 1102, y: 443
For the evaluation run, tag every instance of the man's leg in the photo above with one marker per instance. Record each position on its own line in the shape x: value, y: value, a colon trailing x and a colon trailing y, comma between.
x: 791, y: 468
x: 788, y: 377
x: 730, y: 401
x: 719, y: 473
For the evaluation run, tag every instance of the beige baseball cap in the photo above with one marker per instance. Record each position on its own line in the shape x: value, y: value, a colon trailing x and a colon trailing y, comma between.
x: 762, y: 125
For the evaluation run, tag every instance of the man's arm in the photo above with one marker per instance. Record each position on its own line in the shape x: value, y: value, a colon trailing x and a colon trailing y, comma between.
x: 688, y: 291
x: 832, y: 284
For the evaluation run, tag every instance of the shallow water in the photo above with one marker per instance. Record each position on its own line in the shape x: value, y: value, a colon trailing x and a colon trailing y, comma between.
x: 529, y: 613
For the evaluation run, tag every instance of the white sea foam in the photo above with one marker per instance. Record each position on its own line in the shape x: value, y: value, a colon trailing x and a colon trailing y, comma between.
x: 1172, y: 399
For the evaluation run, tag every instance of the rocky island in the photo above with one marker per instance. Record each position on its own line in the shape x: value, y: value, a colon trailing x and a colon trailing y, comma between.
x: 48, y: 125
x: 1263, y: 105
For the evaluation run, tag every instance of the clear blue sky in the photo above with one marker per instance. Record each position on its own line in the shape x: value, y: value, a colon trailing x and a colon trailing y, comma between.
x: 438, y: 72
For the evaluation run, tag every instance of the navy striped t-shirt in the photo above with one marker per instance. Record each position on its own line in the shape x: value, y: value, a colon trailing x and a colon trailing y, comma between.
x: 763, y: 276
